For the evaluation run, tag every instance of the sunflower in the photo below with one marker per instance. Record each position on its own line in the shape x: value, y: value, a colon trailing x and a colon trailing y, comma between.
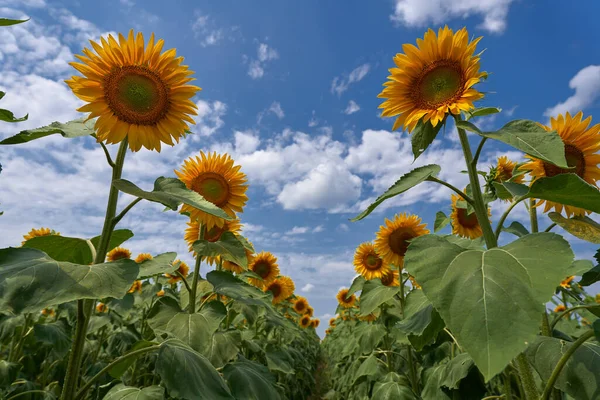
x: 37, y: 233
x: 504, y: 171
x: 391, y: 278
x: 414, y: 282
x: 432, y: 79
x: 48, y: 312
x: 282, y: 288
x: 118, y: 253
x: 392, y: 240
x: 597, y: 298
x: 368, y: 263
x: 143, y: 257
x: 192, y: 234
x: 566, y: 283
x: 305, y: 321
x: 345, y: 302
x: 183, y: 269
x: 315, y: 323
x: 332, y: 321
x: 216, y: 179
x: 309, y: 311
x: 368, y: 318
x: 582, y: 144
x: 463, y: 224
x: 300, y: 305
x: 265, y: 265
x: 135, y: 287
x: 560, y: 308
x: 160, y: 293
x: 135, y: 92
x: 328, y: 331
x: 101, y: 307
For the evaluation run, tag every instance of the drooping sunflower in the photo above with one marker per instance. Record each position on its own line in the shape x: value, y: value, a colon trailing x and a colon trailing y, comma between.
x: 135, y: 91
x: 101, y: 307
x: 37, y: 233
x: 391, y: 278
x: 393, y: 238
x: 464, y: 224
x: 332, y: 321
x: 135, y: 287
x: 504, y: 171
x: 582, y: 145
x: 282, y: 288
x: 566, y: 283
x: 433, y: 79
x: 309, y: 311
x: 143, y: 257
x: 368, y: 263
x: 328, y: 331
x: 183, y: 269
x: 315, y: 323
x: 300, y: 305
x: 213, y: 234
x: 343, y: 301
x: 118, y: 253
x: 305, y: 321
x: 265, y: 265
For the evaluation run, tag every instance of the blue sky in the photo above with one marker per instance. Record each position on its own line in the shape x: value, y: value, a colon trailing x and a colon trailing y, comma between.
x: 289, y: 90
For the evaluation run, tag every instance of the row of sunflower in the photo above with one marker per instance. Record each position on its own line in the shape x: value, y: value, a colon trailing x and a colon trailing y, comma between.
x: 81, y: 319
x: 449, y: 316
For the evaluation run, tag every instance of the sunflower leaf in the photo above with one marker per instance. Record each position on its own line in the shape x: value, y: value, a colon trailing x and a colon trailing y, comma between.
x: 8, y: 116
x: 121, y: 392
x: 482, y: 111
x: 441, y: 220
x: 582, y: 227
x: 422, y: 136
x: 250, y: 380
x: 516, y: 228
x: 357, y: 284
x: 406, y: 181
x: 171, y: 192
x: 162, y: 263
x: 8, y: 22
x: 374, y: 294
x: 566, y: 189
x: 71, y: 129
x: 228, y: 247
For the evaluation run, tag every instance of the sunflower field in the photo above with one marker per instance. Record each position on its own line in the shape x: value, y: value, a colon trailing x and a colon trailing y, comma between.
x: 428, y: 316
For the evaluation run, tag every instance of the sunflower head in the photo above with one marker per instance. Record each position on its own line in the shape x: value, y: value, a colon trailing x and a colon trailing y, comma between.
x: 101, y: 307
x: 332, y: 321
x: 391, y: 278
x: 143, y: 257
x: 48, y: 312
x: 281, y: 288
x: 37, y: 233
x: 300, y: 305
x: 582, y: 144
x: 328, y: 331
x: 566, y: 283
x: 560, y: 308
x: 433, y: 79
x: 368, y: 263
x: 309, y: 311
x: 160, y: 293
x: 135, y: 287
x: 265, y: 265
x: 368, y: 318
x: 118, y: 253
x: 344, y: 300
x: 135, y: 91
x: 394, y: 237
x: 305, y: 321
x: 463, y: 223
x: 315, y: 323
x: 219, y: 181
x: 183, y: 269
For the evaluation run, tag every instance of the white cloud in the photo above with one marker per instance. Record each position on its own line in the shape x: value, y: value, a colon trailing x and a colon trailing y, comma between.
x: 586, y: 84
x: 343, y: 228
x: 209, y: 118
x: 208, y: 33
x: 298, y: 230
x: 313, y: 120
x: 352, y: 108
x: 340, y: 84
x: 318, y: 229
x: 428, y: 12
x: 264, y: 53
x: 24, y: 3
x: 307, y: 288
x: 246, y: 142
x: 274, y: 108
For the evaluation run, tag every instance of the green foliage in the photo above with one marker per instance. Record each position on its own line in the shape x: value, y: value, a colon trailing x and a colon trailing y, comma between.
x: 422, y: 136
x: 71, y: 129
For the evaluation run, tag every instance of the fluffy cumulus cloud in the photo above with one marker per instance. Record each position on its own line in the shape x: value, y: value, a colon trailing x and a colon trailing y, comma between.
x: 209, y: 33
x: 586, y: 84
x: 210, y: 117
x: 426, y: 12
x: 274, y: 109
x: 341, y: 83
x: 351, y: 108
x: 264, y: 54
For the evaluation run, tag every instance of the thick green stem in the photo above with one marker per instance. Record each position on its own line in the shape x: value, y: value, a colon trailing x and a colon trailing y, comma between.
x: 14, y: 356
x: 507, y: 386
x: 562, y: 361
x: 533, y: 216
x: 196, y: 273
x: 85, y: 308
x: 546, y: 331
x: 526, y: 374
x: 479, y: 205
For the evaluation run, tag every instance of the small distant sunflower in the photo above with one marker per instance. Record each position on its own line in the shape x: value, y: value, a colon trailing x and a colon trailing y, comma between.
x: 368, y: 263
x: 345, y: 302
x: 328, y: 331
x: 332, y: 321
x: 101, y: 307
x: 135, y: 92
x: 135, y: 287
x: 597, y: 298
x: 213, y: 234
x: 265, y: 265
x: 560, y: 308
x: 309, y: 311
x: 566, y: 283
x: 118, y: 253
x: 368, y: 318
x: 414, y: 282
x: 160, y: 293
x: 391, y: 278
x: 393, y: 239
x: 282, y: 288
x: 305, y: 321
x: 433, y: 79
x: 300, y: 305
x: 504, y: 170
x: 315, y: 323
x: 463, y: 224
x: 48, y: 312
x: 183, y: 269
x: 582, y: 144
x: 218, y: 180
x: 143, y: 257
x: 37, y: 233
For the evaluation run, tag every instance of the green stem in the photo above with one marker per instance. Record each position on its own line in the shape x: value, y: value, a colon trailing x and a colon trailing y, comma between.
x: 409, y: 356
x: 119, y: 217
x: 86, y: 307
x: 570, y: 310
x: 549, y: 228
x: 533, y: 216
x: 479, y: 205
x: 196, y: 273
x: 546, y: 331
x: 478, y: 152
x: 526, y: 374
x: 184, y: 280
x: 507, y: 386
x: 135, y: 353
x: 562, y: 361
x: 16, y: 396
x: 504, y: 216
x: 454, y: 188
x: 19, y: 346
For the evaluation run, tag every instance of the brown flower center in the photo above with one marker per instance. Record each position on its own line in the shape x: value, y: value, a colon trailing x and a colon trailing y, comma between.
x: 136, y: 95
x: 575, y: 160
x: 372, y: 262
x: 346, y: 299
x: 214, y: 233
x: 213, y: 187
x: 399, y: 241
x: 275, y: 288
x: 467, y: 220
x: 262, y: 268
x: 388, y: 279
x: 440, y: 82
x: 299, y: 306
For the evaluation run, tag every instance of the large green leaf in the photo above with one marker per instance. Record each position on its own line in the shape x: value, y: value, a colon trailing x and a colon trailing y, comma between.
x: 228, y: 247
x: 194, y: 330
x: 417, y: 313
x: 279, y: 360
x: 590, y: 277
x: 122, y: 392
x: 516, y: 228
x: 55, y: 334
x: 527, y: 136
x: 429, y: 335
x: 369, y: 337
x: 223, y: 347
x: 422, y: 136
x: 471, y: 289
x: 393, y: 387
x: 160, y: 264
x: 582, y: 227
x: 8, y: 116
x: 188, y: 374
x: 407, y: 181
x: 8, y: 22
x: 71, y: 129
x: 117, y: 238
x: 481, y: 111
x: 226, y: 284
x: 249, y: 380
x: 357, y: 284
x: 171, y: 192
x: 30, y: 280
x: 580, y: 377
x: 121, y: 367
x: 441, y: 220
x: 369, y: 368
x: 374, y: 294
